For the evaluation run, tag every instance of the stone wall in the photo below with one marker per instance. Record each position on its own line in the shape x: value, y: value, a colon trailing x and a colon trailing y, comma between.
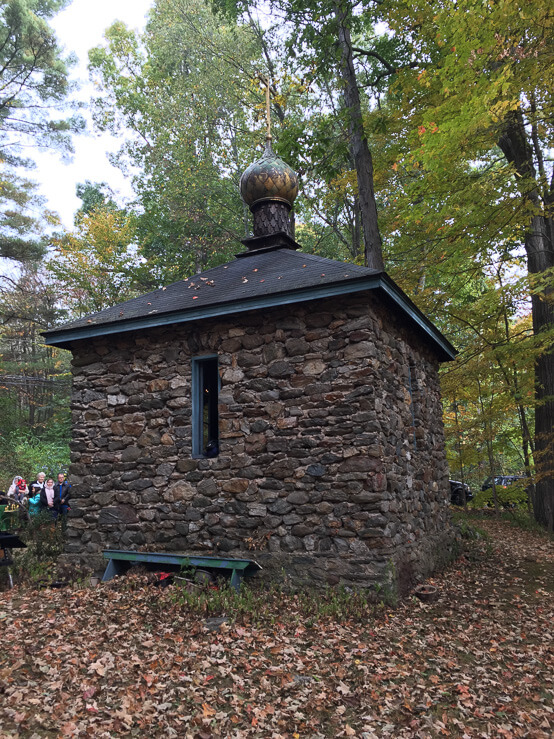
x: 321, y: 472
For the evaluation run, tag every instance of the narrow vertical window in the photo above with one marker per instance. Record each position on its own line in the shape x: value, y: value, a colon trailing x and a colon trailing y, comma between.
x: 205, y: 420
x: 411, y: 382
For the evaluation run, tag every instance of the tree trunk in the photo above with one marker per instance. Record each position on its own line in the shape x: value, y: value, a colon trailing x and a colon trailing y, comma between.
x: 460, y: 456
x: 540, y: 253
x: 489, y: 436
x: 358, y: 141
x: 357, y: 230
x: 512, y: 381
x: 539, y: 245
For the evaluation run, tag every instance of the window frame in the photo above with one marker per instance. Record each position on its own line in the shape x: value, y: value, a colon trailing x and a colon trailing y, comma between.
x: 198, y: 368
x: 412, y: 389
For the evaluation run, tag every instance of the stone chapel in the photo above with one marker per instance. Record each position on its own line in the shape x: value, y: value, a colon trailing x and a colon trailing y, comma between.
x: 282, y: 407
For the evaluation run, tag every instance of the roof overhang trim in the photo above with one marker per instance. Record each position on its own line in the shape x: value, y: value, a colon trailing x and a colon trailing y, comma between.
x: 64, y: 337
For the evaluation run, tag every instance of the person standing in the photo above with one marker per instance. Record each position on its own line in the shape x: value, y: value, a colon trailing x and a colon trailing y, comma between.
x: 49, y: 500
x: 63, y: 492
x: 38, y: 485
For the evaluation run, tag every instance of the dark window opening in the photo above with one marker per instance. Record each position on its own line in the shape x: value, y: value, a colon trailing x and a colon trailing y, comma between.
x: 412, y: 387
x: 205, y: 417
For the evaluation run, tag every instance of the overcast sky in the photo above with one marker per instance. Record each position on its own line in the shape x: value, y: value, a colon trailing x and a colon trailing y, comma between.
x: 80, y: 27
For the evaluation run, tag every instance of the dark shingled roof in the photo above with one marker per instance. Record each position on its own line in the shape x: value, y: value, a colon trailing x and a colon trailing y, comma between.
x: 257, y: 275
x: 254, y: 280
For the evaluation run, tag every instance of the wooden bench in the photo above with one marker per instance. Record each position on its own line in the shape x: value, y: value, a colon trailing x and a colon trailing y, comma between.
x: 119, y: 562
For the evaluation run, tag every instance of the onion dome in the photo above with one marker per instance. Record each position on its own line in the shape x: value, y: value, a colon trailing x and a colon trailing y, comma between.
x: 269, y: 178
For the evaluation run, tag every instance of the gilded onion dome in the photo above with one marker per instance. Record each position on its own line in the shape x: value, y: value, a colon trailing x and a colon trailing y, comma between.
x: 269, y: 178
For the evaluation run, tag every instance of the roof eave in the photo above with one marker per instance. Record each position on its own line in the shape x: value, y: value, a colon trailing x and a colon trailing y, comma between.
x: 64, y: 337
x: 399, y: 297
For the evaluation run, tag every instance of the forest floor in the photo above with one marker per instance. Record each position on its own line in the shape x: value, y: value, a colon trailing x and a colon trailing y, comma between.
x: 126, y: 659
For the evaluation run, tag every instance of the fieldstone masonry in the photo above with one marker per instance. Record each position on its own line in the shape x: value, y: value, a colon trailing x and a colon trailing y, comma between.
x: 329, y: 468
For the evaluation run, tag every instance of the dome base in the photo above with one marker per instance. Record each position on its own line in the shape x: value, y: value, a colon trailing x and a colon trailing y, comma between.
x: 268, y: 242
x: 271, y: 216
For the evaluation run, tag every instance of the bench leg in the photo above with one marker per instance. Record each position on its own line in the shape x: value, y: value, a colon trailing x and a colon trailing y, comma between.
x: 115, y: 567
x: 236, y: 579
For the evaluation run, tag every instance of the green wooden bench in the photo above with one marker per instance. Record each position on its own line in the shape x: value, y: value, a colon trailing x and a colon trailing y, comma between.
x: 120, y: 560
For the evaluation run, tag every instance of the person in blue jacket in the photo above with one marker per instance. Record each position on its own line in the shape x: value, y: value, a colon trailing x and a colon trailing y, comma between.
x: 63, y: 493
x: 34, y: 503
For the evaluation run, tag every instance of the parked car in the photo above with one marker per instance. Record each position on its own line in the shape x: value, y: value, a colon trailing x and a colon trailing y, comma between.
x: 501, y: 481
x: 457, y: 489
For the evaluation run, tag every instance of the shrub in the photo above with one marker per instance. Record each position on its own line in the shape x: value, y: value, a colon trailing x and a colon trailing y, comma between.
x: 44, y: 538
x: 26, y: 455
x: 509, y: 496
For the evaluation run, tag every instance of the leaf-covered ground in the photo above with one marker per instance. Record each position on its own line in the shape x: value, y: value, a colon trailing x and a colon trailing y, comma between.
x: 125, y: 660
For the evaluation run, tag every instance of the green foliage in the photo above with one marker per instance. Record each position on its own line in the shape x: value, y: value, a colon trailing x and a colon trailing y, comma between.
x: 33, y: 72
x: 23, y: 453
x: 189, y: 90
x: 488, y: 392
x: 33, y: 86
x: 45, y: 542
x: 471, y: 523
x: 21, y: 229
x: 468, y: 179
x: 509, y: 496
x: 94, y: 196
x: 519, y: 518
x: 185, y: 91
x: 98, y: 263
x: 466, y: 525
x: 34, y: 379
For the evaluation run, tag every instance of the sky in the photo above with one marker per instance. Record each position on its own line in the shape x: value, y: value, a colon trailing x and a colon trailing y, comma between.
x: 80, y: 27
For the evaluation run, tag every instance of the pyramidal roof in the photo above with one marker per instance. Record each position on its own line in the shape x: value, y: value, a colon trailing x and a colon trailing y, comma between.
x: 261, y: 280
x: 270, y: 273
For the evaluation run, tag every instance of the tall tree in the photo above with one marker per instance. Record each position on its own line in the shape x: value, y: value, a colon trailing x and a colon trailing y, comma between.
x: 319, y: 43
x: 344, y: 19
x: 185, y: 91
x: 33, y: 74
x: 99, y: 263
x: 33, y: 87
x: 94, y: 195
x: 478, y: 91
x: 23, y: 218
x: 34, y: 383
